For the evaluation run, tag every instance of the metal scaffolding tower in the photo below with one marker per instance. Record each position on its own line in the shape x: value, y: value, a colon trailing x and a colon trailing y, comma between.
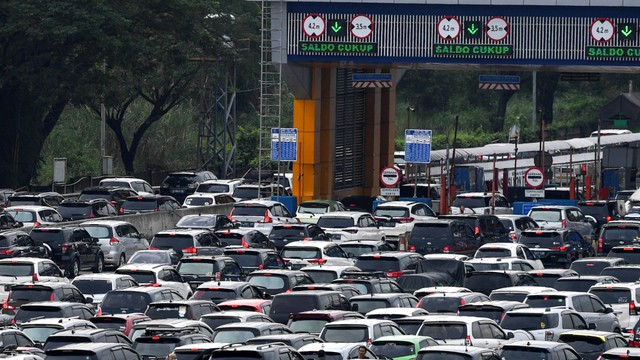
x: 271, y: 46
x: 217, y: 128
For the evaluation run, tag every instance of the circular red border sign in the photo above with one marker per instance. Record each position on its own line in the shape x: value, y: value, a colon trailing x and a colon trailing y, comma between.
x: 526, y: 180
x: 388, y: 184
x: 602, y: 21
x: 448, y: 19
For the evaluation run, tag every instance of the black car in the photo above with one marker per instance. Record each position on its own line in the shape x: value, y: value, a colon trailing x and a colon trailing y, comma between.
x: 251, y: 259
x: 443, y: 236
x: 86, y: 209
x: 157, y: 343
x: 624, y: 273
x: 148, y: 204
x: 16, y: 243
x: 51, y: 199
x: 219, y: 291
x: 488, y: 228
x: 285, y: 304
x: 369, y: 283
x: 115, y: 195
x: 583, y: 283
x: 486, y: 281
x: 547, y: 277
x: 394, y: 264
x: 359, y: 203
x: 617, y: 233
x: 135, y: 299
x: 181, y: 184
x: 630, y: 253
x: 594, y: 266
x: 246, y: 238
x: 186, y: 242
x: 21, y: 294
x: 199, y: 269
x: 180, y: 309
x: 53, y: 309
x: 602, y: 210
x: 72, y: 248
x: 283, y: 234
x: 556, y: 247
x: 93, y: 351
x: 76, y: 336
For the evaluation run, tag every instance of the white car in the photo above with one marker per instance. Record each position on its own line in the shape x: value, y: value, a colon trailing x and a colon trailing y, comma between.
x: 119, y: 240
x: 97, y: 285
x: 24, y: 269
x: 624, y: 298
x: 350, y: 225
x: 481, y: 203
x: 207, y: 199
x: 517, y: 293
x: 309, y: 211
x: 512, y: 250
x: 140, y: 186
x: 398, y: 217
x: 261, y: 214
x: 333, y: 350
x: 360, y: 331
x: 305, y: 253
x: 500, y: 263
x: 218, y: 186
x: 35, y: 215
x: 157, y: 275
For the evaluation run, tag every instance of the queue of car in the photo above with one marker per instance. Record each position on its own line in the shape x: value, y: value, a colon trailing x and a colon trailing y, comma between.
x: 395, y: 282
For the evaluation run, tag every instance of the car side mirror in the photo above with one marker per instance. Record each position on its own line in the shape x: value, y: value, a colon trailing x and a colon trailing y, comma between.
x: 608, y: 310
x: 592, y: 326
x: 224, y: 243
x: 354, y: 307
x: 351, y: 255
x: 510, y: 335
x: 18, y: 224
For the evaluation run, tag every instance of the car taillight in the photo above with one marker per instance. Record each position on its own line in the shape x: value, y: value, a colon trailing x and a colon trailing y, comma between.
x: 513, y: 236
x: 351, y: 231
x: 477, y: 230
x: 632, y: 308
x: 395, y: 274
x: 564, y: 223
x: 600, y: 245
x: 461, y: 301
x: 260, y: 266
x: 51, y: 297
x: 412, y: 248
x: 467, y: 341
x: 318, y: 261
x: 91, y: 216
x: 5, y: 305
x: 306, y: 239
x: 405, y: 220
x: 267, y: 218
x: 114, y: 242
x: 218, y: 276
x: 121, y: 211
x: 561, y: 248
x: 548, y: 335
x: 190, y: 250
x: 6, y: 252
x: 64, y: 248
x: 36, y: 224
x: 244, y: 243
x: 99, y: 313
x: 34, y: 277
x: 446, y: 249
x: 609, y: 218
x: 153, y: 248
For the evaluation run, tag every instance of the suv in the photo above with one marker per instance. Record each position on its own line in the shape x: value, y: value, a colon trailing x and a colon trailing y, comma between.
x: 180, y: 309
x: 148, y: 204
x: 40, y: 329
x: 114, y: 195
x: 184, y: 241
x: 394, y: 264
x: 22, y: 270
x: 398, y: 217
x: 443, y: 236
x: 617, y: 233
x: 278, y: 281
x: 16, y: 243
x: 264, y: 352
x: 304, y: 253
x: 588, y: 305
x: 218, y: 186
x: 570, y: 217
x: 21, y: 294
x: 513, y: 250
x: 516, y: 224
x: 50, y: 199
x: 198, y: 269
x: 180, y: 184
x: 590, y: 344
x: 255, y: 259
x: 481, y: 203
x: 157, y: 275
x: 488, y: 280
x: 90, y: 351
x: 556, y: 247
x: 468, y: 330
x: 261, y: 214
x: 487, y: 228
x: 72, y: 248
x: 119, y: 240
x: 313, y: 321
x: 350, y: 225
x: 135, y: 299
x: 159, y: 342
x: 52, y: 309
x: 624, y: 298
x: 603, y: 211
x: 77, y: 336
x: 285, y: 233
x: 140, y: 186
x: 86, y: 209
x: 219, y: 291
x: 97, y: 285
x: 360, y: 331
x: 283, y: 305
x: 309, y: 211
x: 34, y: 215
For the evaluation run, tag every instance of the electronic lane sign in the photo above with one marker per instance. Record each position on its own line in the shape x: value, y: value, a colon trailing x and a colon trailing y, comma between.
x: 284, y: 144
x: 473, y: 29
x: 417, y: 146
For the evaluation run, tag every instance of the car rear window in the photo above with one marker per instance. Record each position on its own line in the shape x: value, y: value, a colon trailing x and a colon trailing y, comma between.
x: 311, y: 326
x: 25, y: 313
x: 16, y: 269
x: 366, y: 305
x: 293, y: 252
x: 335, y: 222
x: 245, y: 259
x: 49, y: 236
x: 623, y: 274
x: 281, y: 232
x: 290, y: 304
x: 215, y: 294
x: 72, y: 210
x: 630, y: 254
x: 440, y: 304
x: 378, y: 264
x: 108, y: 322
x: 54, y: 342
x: 542, y: 239
x: 487, y: 281
x: 524, y: 321
x: 140, y: 204
x: 24, y: 200
x: 168, y: 311
x: 93, y: 286
x: 99, y: 232
x: 180, y: 180
x: 213, y: 188
x: 613, y: 296
x: 394, y: 212
x: 493, y: 313
x: 253, y: 210
x: 23, y: 215
x: 443, y: 331
x: 313, y: 208
x: 525, y: 353
x: 589, y: 267
x: 472, y: 202
x: 231, y: 335
x: 345, y: 334
x: 595, y: 209
x: 30, y: 293
x: 124, y: 302
x: 199, y: 201
x: 155, y: 347
x: 214, y: 322
x: 439, y: 355
x: 175, y: 242
x: 621, y: 234
x: 432, y: 232
x: 322, y: 276
x: 141, y: 277
x: 4, y: 241
x: 76, y: 355
x: 193, y: 267
x: 492, y: 252
x: 542, y: 215
x: 576, y: 284
x: 269, y: 281
x: 545, y: 301
x: 358, y: 249
x: 394, y: 349
x: 584, y: 344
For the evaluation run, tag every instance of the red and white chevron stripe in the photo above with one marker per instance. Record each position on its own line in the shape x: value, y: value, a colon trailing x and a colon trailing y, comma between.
x: 372, y: 84
x: 494, y: 86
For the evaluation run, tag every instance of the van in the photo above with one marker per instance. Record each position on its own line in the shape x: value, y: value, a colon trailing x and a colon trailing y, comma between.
x: 285, y: 304
x: 443, y: 236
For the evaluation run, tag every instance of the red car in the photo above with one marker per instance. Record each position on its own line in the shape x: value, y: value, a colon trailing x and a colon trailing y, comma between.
x: 122, y: 322
x: 257, y: 305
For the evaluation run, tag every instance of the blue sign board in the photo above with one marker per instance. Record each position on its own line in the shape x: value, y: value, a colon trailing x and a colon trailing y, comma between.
x: 371, y: 77
x: 284, y: 144
x: 417, y: 146
x: 500, y: 79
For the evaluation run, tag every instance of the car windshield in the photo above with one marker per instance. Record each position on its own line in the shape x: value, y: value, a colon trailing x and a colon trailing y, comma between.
x: 541, y: 239
x: 394, y: 212
x: 335, y: 222
x: 393, y: 349
x: 293, y: 252
x: 93, y: 286
x: 378, y: 264
x: 440, y: 355
x: 546, y: 215
x: 532, y: 321
x: 545, y: 301
x: 16, y: 269
x: 313, y: 208
x: 525, y: 353
x: 471, y: 202
x: 311, y: 326
x: 443, y: 331
x: 440, y: 304
x: 268, y: 281
x: 204, y: 268
x: 613, y: 296
x: 99, y: 232
x: 343, y: 334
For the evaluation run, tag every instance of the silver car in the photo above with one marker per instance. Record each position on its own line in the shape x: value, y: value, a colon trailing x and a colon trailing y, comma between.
x: 119, y: 240
x: 569, y: 217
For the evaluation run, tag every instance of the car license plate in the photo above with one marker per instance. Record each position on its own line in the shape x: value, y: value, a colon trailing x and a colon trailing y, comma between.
x: 177, y: 191
x: 246, y: 224
x: 388, y: 223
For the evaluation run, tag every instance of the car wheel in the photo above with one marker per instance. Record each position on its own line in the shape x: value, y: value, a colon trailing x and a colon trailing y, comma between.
x: 121, y: 261
x: 74, y: 269
x: 99, y: 264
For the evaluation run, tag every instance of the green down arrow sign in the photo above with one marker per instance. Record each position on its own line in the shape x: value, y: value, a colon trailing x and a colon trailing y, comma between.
x: 473, y: 29
x: 337, y: 28
x: 627, y: 31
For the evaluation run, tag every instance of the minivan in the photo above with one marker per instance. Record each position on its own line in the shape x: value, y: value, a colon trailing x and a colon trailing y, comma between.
x: 285, y: 304
x: 443, y: 236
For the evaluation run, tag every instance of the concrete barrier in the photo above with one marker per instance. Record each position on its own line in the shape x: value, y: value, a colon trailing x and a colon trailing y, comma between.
x: 151, y: 223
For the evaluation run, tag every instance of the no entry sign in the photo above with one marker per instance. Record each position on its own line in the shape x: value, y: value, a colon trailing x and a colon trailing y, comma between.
x: 534, y: 177
x: 390, y: 176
